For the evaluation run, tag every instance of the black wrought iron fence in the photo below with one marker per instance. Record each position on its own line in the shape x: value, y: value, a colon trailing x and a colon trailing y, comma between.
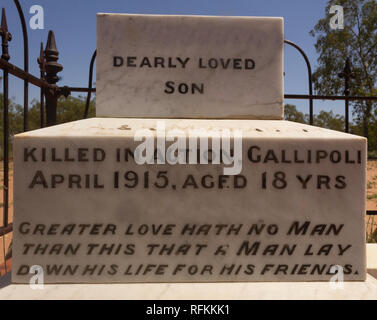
x: 50, y: 92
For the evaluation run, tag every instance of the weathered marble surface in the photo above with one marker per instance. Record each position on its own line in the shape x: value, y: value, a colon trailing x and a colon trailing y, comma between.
x: 318, y: 203
x: 243, y: 291
x: 197, y: 291
x: 372, y: 256
x: 137, y: 87
x: 366, y: 290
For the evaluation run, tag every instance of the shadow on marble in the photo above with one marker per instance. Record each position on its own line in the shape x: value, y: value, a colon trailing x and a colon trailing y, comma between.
x: 5, y: 280
x: 372, y: 272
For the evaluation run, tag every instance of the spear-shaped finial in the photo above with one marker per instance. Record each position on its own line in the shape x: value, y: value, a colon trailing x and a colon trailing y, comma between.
x: 3, y: 19
x: 41, y: 60
x: 347, y: 74
x: 51, y: 43
x: 5, y: 36
x: 52, y: 56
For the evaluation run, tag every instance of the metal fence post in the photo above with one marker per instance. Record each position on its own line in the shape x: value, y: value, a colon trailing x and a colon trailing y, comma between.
x: 5, y: 37
x: 52, y: 68
x: 347, y: 75
x: 42, y: 67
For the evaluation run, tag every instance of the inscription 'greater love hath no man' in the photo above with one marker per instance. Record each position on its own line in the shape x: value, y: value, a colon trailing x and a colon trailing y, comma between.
x: 128, y: 246
x: 184, y: 63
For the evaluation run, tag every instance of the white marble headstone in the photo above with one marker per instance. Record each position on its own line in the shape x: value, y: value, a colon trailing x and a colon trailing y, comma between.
x: 86, y: 212
x: 161, y: 66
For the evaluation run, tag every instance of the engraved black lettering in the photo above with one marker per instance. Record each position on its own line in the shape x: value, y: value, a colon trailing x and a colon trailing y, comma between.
x: 29, y: 154
x: 38, y: 179
x: 118, y: 61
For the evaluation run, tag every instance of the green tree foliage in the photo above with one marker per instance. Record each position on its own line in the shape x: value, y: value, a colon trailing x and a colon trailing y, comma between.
x: 323, y: 119
x: 69, y: 109
x: 292, y: 114
x: 14, y: 117
x: 358, y: 42
x: 329, y: 121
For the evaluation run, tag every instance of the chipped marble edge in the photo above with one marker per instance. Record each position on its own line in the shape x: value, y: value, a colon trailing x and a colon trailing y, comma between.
x: 197, y: 291
x: 70, y: 129
x: 101, y: 14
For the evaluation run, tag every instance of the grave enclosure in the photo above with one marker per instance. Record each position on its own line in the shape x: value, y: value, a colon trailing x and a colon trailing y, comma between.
x: 285, y: 202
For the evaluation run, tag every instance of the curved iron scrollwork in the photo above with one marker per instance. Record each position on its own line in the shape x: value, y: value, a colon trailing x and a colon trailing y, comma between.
x: 90, y: 84
x: 302, y: 52
x: 26, y: 63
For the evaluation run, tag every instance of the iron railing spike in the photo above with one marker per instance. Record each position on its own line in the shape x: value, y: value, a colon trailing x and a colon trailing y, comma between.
x: 5, y: 36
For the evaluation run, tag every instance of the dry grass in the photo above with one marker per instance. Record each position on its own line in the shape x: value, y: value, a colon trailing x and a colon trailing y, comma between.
x: 5, y: 241
x: 371, y: 221
x: 372, y: 185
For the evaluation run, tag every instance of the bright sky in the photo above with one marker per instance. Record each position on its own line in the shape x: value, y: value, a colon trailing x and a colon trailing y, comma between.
x: 74, y: 24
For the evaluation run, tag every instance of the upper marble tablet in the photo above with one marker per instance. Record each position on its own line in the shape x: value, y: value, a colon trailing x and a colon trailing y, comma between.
x: 165, y: 66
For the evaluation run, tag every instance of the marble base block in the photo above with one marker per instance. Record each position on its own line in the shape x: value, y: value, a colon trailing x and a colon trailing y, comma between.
x: 167, y: 66
x: 352, y: 290
x: 85, y: 212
